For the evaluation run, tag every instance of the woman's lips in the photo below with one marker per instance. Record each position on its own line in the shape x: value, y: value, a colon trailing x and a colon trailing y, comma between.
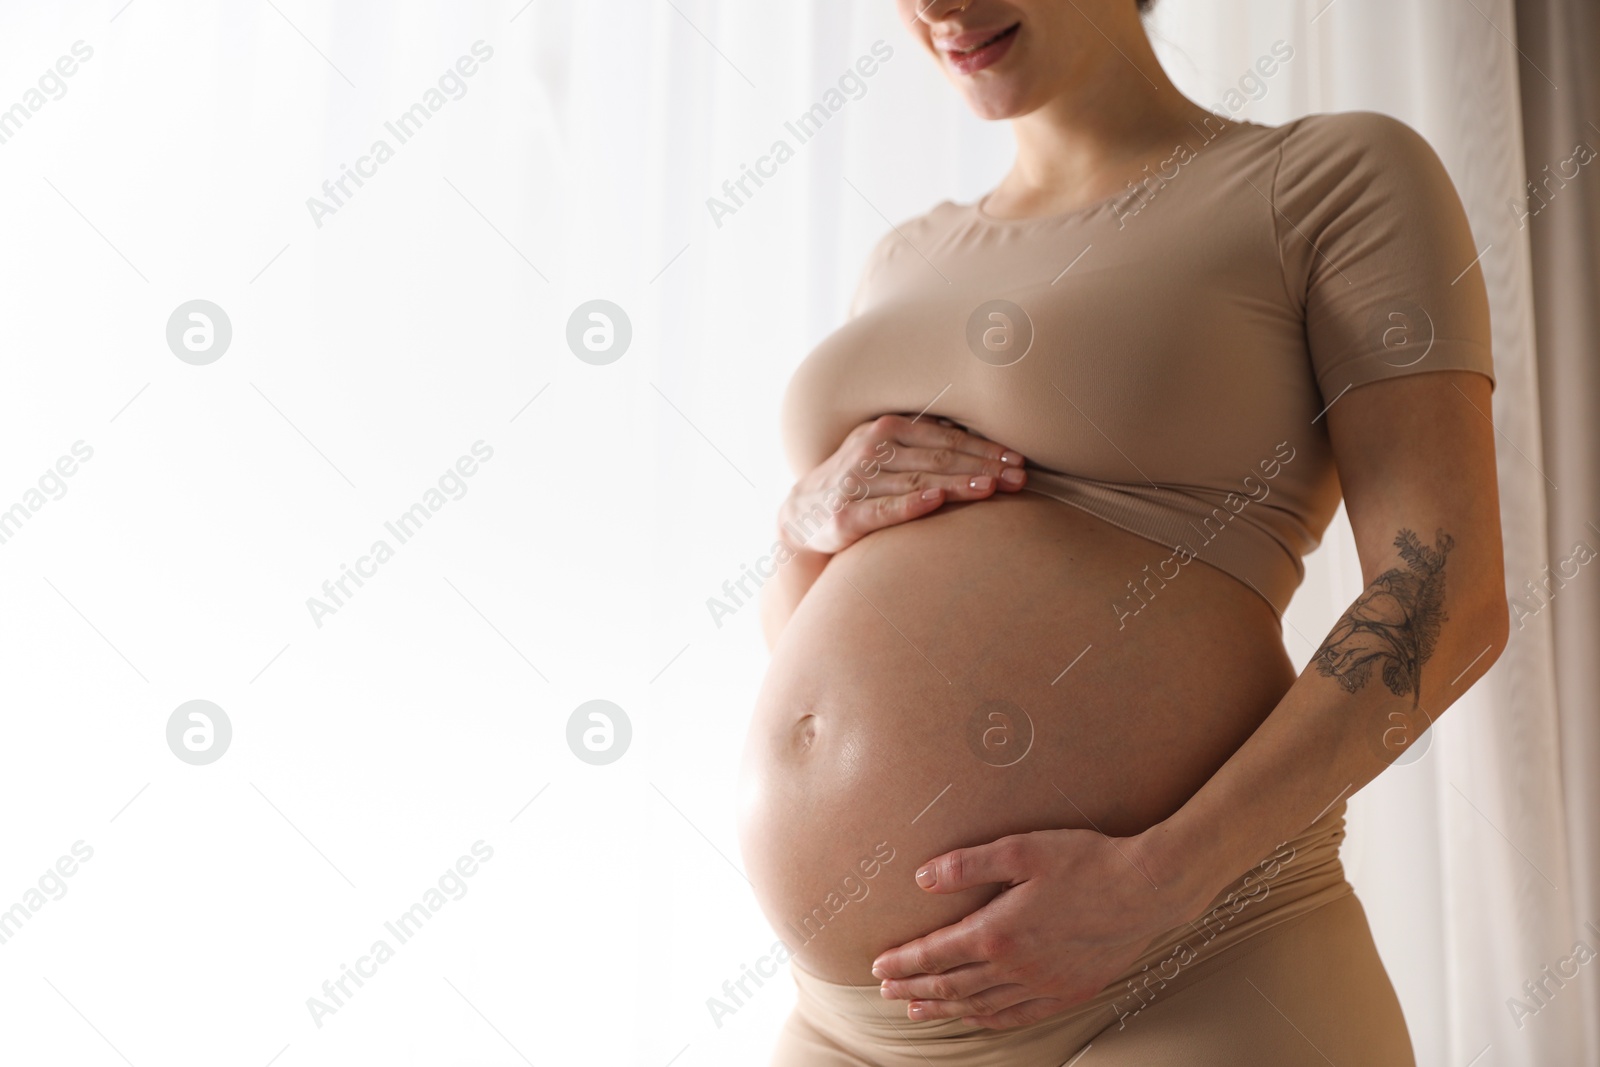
x: 990, y: 49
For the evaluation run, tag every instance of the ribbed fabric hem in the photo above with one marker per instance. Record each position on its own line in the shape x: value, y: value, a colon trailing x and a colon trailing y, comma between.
x: 1208, y: 530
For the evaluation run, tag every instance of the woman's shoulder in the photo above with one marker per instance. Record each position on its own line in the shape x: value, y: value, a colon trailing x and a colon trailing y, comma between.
x: 1341, y: 159
x: 940, y: 216
x: 1353, y: 137
x: 919, y: 231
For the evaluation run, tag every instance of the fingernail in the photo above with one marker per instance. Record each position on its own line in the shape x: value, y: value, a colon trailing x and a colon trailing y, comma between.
x: 981, y: 482
x: 877, y: 971
x: 925, y: 878
x: 930, y: 494
x: 1011, y: 457
x: 883, y: 990
x: 1011, y: 476
x: 915, y: 1010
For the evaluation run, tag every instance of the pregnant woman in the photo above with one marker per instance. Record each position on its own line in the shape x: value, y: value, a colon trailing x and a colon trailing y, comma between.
x: 1031, y: 776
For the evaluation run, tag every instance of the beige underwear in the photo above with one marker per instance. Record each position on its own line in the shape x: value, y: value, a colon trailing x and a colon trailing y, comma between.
x: 1281, y: 970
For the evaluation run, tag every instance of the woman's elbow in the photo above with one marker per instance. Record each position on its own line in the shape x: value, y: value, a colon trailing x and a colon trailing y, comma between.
x: 1485, y: 631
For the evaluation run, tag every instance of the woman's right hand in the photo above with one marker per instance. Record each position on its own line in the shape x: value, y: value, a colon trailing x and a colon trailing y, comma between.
x: 888, y: 471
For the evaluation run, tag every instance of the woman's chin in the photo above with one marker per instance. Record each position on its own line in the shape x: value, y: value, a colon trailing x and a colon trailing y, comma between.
x: 994, y: 102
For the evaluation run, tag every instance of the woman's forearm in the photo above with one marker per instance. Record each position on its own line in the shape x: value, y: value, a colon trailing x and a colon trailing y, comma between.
x: 1362, y: 699
x: 782, y: 593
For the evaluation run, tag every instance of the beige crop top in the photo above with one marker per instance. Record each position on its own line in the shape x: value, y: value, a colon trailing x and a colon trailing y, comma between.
x: 1163, y: 358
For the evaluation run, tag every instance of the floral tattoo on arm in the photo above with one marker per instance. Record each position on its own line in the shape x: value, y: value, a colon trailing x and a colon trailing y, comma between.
x: 1394, y: 624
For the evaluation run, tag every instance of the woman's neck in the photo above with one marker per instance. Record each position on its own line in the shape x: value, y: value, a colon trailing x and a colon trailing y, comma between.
x: 1085, y: 144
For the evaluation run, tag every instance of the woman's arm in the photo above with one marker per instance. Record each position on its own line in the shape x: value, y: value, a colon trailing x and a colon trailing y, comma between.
x: 1416, y: 459
x: 1379, y: 237
x: 783, y: 591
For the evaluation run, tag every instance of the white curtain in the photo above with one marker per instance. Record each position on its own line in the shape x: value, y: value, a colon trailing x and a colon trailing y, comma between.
x: 430, y: 311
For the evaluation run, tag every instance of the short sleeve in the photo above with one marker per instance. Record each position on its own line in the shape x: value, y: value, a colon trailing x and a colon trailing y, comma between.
x: 1376, y: 246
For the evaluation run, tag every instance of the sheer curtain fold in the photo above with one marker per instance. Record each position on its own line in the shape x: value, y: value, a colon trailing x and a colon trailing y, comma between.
x: 1561, y: 215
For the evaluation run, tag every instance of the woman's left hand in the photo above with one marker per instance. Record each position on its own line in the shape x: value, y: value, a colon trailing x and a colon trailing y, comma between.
x: 1077, y: 909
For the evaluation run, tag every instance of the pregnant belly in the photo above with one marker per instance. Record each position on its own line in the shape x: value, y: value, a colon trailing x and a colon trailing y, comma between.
x: 963, y: 677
